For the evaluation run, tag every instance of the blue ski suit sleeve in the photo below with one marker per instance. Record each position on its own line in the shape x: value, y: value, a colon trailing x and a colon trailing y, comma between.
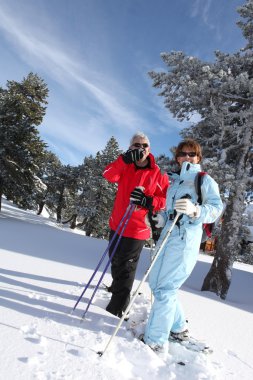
x: 212, y: 206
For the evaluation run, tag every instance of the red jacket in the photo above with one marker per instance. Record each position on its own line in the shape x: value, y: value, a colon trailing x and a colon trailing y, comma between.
x: 128, y: 176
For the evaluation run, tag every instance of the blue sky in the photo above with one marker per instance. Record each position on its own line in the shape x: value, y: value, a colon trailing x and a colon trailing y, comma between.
x: 94, y: 56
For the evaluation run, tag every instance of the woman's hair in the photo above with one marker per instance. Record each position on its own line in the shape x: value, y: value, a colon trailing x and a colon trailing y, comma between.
x: 191, y: 144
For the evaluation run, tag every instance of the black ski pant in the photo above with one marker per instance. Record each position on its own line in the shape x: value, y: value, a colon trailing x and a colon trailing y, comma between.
x: 123, y: 268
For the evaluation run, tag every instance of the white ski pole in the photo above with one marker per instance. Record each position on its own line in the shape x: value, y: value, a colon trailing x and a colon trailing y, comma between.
x: 151, y: 258
x: 156, y: 254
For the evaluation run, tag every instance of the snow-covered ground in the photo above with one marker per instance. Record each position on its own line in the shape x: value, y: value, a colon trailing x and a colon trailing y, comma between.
x: 43, y: 269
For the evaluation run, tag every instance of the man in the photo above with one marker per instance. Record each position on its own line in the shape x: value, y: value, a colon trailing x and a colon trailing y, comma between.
x: 140, y: 180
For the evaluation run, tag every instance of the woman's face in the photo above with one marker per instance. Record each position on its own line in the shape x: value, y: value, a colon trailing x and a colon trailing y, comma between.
x: 187, y: 154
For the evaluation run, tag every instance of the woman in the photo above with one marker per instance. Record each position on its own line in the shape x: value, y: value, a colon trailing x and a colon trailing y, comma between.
x: 179, y: 255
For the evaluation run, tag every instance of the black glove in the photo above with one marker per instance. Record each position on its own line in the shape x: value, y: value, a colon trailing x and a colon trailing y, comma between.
x: 131, y: 156
x: 139, y: 198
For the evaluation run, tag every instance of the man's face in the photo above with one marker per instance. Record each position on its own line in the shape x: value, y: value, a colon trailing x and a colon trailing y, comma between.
x: 141, y: 143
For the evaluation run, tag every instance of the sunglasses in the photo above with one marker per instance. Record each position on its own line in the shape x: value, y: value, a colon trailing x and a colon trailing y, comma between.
x: 138, y: 145
x: 189, y: 154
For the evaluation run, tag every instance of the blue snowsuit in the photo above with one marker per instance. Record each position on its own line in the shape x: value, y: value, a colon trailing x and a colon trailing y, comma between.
x: 179, y: 255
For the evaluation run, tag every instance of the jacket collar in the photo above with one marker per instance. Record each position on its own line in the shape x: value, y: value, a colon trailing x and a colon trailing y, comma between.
x: 186, y: 167
x: 152, y: 161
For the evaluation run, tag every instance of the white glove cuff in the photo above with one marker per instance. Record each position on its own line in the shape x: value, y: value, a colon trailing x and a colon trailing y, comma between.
x: 196, y: 214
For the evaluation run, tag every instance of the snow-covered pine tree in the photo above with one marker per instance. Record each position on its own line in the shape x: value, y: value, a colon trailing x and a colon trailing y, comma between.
x: 246, y: 253
x: 48, y: 167
x: 22, y: 108
x: 106, y: 190
x: 166, y: 164
x: 65, y: 184
x: 84, y: 201
x: 221, y: 93
x: 102, y: 193
x: 96, y: 196
x: 237, y: 141
x: 246, y: 25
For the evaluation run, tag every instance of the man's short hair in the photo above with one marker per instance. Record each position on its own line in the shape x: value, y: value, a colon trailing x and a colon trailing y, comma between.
x: 140, y: 135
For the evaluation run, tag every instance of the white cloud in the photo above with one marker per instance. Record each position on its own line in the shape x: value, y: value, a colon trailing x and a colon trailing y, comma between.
x: 202, y: 9
x: 40, y: 49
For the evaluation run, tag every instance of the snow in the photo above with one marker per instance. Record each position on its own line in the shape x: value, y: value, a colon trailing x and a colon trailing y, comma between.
x: 44, y: 268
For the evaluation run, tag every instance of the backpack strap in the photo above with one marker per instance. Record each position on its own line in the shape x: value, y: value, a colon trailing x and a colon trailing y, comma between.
x: 198, y: 183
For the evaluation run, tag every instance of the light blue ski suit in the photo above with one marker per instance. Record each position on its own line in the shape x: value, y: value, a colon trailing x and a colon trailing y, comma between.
x: 179, y: 255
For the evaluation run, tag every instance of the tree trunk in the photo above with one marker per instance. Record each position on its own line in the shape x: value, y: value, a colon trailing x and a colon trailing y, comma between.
x: 59, y: 207
x: 73, y: 223
x: 1, y: 192
x: 41, y: 206
x: 72, y: 220
x: 58, y: 213
x: 219, y: 276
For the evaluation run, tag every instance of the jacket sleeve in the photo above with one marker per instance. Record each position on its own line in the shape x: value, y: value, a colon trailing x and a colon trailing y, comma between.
x: 159, y: 196
x: 114, y: 170
x: 212, y: 205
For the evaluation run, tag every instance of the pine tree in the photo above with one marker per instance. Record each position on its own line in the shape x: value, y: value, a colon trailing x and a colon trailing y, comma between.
x: 222, y: 94
x: 64, y: 185
x: 47, y: 168
x: 106, y: 191
x: 96, y: 197
x: 21, y: 111
x: 167, y: 164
